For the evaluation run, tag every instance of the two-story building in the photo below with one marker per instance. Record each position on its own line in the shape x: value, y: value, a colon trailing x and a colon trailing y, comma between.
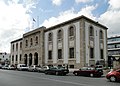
x: 77, y: 42
x: 33, y: 47
x: 16, y: 51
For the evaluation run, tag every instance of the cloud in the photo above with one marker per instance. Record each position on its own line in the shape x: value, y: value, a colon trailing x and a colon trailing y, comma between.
x: 83, y: 1
x: 114, y: 4
x: 111, y: 18
x: 57, y: 2
x: 14, y: 19
x: 69, y: 14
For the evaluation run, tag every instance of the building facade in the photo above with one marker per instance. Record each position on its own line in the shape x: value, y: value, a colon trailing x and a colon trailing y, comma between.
x: 114, y: 50
x: 78, y: 42
x: 33, y: 47
x: 4, y: 58
x: 16, y: 52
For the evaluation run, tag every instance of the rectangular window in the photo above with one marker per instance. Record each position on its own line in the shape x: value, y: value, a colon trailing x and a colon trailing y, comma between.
x: 59, y: 53
x: 101, y: 51
x: 91, y: 52
x: 26, y: 43
x: 20, y: 57
x: 49, y: 55
x: 12, y: 58
x: 71, y: 51
x: 13, y: 47
x: 16, y: 57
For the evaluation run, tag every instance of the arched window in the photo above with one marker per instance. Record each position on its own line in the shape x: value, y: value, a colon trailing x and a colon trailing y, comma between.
x: 59, y: 34
x: 20, y: 45
x: 91, y: 31
x: 36, y: 58
x: 71, y: 31
x: 36, y: 39
x: 101, y: 34
x: 13, y: 47
x: 16, y: 46
x: 26, y: 43
x: 50, y: 37
x: 31, y: 41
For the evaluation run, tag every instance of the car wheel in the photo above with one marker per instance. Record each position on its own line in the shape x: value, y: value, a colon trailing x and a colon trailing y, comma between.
x: 91, y: 75
x: 112, y: 78
x: 76, y: 74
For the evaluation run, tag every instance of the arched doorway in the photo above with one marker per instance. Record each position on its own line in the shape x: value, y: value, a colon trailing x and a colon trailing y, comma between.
x: 30, y: 59
x: 36, y: 59
x: 25, y: 59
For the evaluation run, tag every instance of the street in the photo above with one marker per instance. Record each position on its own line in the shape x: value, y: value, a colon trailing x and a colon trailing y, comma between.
x: 24, y: 78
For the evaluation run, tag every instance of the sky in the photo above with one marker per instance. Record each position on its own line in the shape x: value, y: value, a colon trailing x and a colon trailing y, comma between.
x: 20, y: 16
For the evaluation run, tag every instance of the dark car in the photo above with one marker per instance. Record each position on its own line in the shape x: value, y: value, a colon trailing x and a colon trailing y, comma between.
x: 57, y: 71
x: 89, y: 71
x: 113, y: 75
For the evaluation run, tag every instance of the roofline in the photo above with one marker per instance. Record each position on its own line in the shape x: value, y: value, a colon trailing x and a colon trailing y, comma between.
x: 75, y: 19
x: 16, y: 40
x: 113, y: 37
x: 33, y: 31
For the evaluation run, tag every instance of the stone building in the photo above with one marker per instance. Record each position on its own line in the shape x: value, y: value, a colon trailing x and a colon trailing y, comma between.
x: 16, y: 51
x: 78, y: 42
x: 33, y: 47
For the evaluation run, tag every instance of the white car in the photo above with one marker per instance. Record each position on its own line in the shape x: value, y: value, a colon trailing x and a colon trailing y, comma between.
x: 11, y: 67
x: 22, y: 67
x: 42, y: 69
x: 34, y: 68
x: 5, y: 67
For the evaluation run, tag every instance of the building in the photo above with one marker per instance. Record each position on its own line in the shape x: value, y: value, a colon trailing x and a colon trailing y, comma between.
x: 114, y: 51
x: 4, y: 58
x: 16, y: 51
x: 78, y: 42
x: 33, y: 47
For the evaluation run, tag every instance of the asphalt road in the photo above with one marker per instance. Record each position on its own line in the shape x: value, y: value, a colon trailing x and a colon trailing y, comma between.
x: 22, y: 78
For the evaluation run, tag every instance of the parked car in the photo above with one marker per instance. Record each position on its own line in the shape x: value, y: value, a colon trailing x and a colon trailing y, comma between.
x: 1, y: 66
x: 11, y: 67
x: 42, y: 69
x: 22, y: 67
x: 88, y: 71
x: 57, y: 71
x: 5, y: 67
x: 114, y: 75
x: 33, y: 68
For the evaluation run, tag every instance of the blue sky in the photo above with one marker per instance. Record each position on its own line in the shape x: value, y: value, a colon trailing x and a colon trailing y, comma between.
x: 16, y: 16
x: 46, y: 8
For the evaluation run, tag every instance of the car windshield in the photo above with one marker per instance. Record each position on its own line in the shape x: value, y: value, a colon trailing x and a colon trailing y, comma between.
x: 87, y: 68
x: 118, y: 70
x: 83, y: 68
x: 61, y: 67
